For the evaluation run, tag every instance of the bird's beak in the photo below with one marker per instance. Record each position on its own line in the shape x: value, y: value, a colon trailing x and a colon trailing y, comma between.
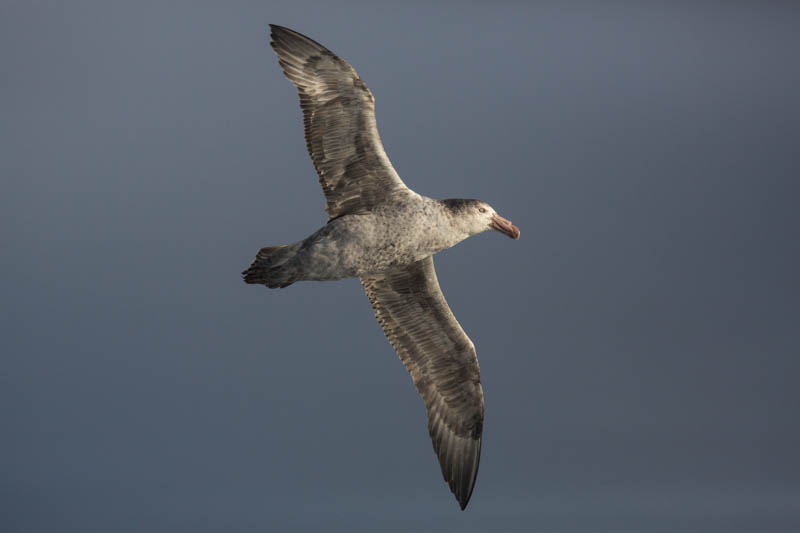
x: 504, y: 226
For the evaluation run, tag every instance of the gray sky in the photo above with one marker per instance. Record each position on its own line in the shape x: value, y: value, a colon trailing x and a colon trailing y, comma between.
x: 638, y: 346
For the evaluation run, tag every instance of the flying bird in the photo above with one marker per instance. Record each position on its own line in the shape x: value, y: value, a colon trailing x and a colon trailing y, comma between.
x: 384, y: 233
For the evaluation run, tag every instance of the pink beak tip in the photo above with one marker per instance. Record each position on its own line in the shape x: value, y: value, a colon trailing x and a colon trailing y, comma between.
x: 505, y: 226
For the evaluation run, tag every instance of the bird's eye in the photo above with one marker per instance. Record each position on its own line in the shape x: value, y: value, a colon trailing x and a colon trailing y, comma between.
x: 482, y: 209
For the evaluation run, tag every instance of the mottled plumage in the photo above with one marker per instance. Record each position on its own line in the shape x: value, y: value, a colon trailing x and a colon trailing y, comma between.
x: 386, y: 234
x: 339, y: 118
x: 441, y: 359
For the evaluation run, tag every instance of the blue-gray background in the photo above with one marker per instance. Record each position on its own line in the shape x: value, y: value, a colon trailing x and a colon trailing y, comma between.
x: 638, y: 345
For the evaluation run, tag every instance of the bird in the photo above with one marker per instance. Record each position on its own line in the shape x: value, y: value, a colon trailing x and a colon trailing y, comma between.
x: 385, y: 234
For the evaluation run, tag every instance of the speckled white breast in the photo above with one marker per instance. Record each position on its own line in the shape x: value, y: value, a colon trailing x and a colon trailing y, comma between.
x: 400, y: 232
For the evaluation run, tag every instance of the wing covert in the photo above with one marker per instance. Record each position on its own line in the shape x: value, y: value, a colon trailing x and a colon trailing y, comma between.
x: 442, y: 361
x: 340, y: 129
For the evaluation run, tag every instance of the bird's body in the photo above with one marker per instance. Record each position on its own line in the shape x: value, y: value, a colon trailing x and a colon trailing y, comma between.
x: 384, y: 233
x: 395, y: 233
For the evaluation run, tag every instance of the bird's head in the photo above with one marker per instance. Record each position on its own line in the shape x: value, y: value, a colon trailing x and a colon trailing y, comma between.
x: 474, y: 216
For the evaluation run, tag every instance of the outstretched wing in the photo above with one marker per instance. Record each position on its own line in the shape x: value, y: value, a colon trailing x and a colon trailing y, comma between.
x: 339, y: 117
x: 415, y: 317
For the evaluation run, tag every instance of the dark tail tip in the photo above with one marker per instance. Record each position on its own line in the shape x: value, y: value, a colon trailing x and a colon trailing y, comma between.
x: 270, y: 268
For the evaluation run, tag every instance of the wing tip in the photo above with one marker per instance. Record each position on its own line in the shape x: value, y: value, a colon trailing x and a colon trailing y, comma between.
x: 281, y: 35
x: 469, y: 485
x: 459, y: 462
x: 277, y: 29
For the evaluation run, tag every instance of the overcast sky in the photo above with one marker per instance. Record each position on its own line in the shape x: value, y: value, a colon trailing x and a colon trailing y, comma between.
x: 638, y: 345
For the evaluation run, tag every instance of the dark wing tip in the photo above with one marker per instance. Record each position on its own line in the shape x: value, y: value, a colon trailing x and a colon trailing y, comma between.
x: 459, y: 458
x: 285, y: 37
x: 471, y: 462
x: 276, y: 29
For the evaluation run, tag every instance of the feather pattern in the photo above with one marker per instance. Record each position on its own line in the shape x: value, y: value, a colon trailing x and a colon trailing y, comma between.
x: 442, y: 361
x: 340, y: 129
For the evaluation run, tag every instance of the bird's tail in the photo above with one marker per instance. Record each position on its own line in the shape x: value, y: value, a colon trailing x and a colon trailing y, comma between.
x: 272, y: 267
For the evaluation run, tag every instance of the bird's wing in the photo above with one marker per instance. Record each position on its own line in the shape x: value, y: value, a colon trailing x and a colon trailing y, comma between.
x: 415, y: 317
x: 339, y: 117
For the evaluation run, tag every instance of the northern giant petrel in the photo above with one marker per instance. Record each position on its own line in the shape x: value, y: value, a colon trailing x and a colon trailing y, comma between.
x: 386, y: 234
